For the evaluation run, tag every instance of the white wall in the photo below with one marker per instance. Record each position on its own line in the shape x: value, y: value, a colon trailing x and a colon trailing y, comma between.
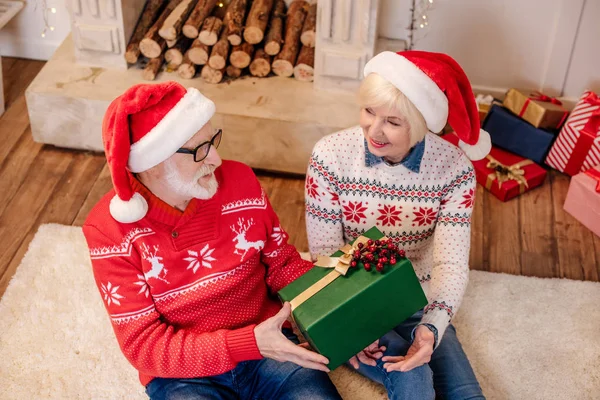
x: 394, y: 18
x: 21, y: 37
x: 510, y: 43
x: 584, y: 71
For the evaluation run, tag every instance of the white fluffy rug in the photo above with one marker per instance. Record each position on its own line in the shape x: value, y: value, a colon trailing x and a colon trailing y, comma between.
x: 527, y: 338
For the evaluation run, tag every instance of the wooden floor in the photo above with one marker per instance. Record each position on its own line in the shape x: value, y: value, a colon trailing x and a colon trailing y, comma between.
x: 531, y: 235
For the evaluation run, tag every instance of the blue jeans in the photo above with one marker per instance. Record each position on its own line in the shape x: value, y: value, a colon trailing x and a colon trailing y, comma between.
x: 252, y: 380
x: 448, y: 375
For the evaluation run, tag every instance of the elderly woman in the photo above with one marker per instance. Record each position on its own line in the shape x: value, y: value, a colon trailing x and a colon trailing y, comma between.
x: 418, y: 189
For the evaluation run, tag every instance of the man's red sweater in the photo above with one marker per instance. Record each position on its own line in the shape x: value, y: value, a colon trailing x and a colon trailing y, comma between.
x: 184, y: 290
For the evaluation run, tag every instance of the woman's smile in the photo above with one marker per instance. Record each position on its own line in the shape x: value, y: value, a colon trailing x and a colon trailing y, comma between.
x: 377, y: 144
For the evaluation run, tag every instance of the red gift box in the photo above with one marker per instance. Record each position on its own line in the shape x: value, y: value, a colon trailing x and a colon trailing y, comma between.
x: 577, y: 147
x: 504, y: 174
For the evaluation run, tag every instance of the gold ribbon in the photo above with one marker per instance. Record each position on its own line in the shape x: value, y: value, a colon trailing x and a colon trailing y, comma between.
x: 340, y: 266
x: 503, y: 173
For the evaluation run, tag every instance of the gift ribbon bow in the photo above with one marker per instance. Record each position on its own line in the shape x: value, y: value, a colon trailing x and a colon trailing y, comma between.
x: 587, y: 136
x: 595, y: 174
x: 592, y: 99
x: 340, y: 266
x: 593, y: 125
x: 503, y: 173
x: 539, y: 96
x: 594, y: 122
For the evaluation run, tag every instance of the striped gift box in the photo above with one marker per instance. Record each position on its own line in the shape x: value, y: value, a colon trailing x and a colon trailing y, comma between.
x: 577, y: 147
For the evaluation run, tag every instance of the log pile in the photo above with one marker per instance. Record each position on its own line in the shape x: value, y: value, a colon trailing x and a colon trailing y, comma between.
x: 218, y: 40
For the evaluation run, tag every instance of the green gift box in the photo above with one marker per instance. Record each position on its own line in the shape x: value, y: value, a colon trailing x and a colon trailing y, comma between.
x: 355, y: 309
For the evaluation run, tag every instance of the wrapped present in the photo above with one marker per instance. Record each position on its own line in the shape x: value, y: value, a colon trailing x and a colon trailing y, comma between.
x: 577, y: 147
x: 513, y: 134
x: 583, y: 199
x: 340, y: 310
x: 536, y: 108
x: 484, y: 103
x: 504, y: 174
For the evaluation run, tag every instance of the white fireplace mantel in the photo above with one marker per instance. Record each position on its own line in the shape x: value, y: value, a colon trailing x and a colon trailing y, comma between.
x: 101, y: 30
x: 346, y: 36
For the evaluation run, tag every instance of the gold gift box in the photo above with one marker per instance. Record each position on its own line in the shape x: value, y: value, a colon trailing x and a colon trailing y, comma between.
x: 536, y: 108
x: 483, y: 110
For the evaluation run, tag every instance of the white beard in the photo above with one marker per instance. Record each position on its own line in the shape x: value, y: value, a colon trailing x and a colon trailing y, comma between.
x: 191, y: 188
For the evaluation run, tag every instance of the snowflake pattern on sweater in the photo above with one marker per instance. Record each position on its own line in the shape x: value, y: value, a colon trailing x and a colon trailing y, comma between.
x: 184, y: 290
x: 426, y: 212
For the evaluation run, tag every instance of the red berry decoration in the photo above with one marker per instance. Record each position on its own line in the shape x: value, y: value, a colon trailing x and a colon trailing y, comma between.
x: 376, y: 253
x: 402, y: 253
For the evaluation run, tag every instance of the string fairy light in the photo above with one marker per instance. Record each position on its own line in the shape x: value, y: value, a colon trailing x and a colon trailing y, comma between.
x: 45, y: 12
x: 419, y: 20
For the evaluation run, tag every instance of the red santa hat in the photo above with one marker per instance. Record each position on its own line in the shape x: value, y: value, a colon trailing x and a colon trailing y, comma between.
x: 440, y: 90
x: 142, y: 128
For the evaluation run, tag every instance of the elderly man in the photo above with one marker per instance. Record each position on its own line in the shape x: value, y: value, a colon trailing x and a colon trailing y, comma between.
x: 187, y: 255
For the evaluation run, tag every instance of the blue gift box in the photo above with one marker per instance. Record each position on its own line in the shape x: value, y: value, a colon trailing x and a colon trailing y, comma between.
x: 518, y: 136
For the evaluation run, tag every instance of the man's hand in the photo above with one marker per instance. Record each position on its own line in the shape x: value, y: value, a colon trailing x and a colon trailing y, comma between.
x: 273, y: 344
x: 369, y: 355
x: 418, y: 354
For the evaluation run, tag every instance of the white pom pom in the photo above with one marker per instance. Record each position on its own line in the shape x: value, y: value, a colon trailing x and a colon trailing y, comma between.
x: 128, y: 211
x: 479, y: 150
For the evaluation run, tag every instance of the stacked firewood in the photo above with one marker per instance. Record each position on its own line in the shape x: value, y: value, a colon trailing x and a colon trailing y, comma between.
x: 232, y: 38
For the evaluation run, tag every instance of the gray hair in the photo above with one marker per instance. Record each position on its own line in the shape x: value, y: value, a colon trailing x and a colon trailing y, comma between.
x: 376, y: 91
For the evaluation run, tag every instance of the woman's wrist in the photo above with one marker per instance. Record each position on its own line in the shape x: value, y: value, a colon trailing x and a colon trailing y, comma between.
x: 432, y: 328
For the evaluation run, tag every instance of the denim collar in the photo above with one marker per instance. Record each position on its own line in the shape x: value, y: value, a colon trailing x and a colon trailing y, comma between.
x: 412, y: 161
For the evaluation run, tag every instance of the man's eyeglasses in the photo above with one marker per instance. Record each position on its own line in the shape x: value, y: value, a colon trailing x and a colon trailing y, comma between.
x: 201, y: 151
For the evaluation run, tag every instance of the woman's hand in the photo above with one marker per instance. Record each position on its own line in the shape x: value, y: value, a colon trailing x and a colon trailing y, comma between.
x: 369, y: 355
x: 418, y: 354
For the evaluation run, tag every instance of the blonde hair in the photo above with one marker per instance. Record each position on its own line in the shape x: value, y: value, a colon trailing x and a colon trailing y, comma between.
x: 375, y: 91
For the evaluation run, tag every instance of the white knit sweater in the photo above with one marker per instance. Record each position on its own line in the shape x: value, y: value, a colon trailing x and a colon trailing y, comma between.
x: 424, y: 206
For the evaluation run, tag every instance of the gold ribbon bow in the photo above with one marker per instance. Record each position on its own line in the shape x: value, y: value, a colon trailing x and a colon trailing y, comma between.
x: 340, y: 266
x: 503, y: 173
